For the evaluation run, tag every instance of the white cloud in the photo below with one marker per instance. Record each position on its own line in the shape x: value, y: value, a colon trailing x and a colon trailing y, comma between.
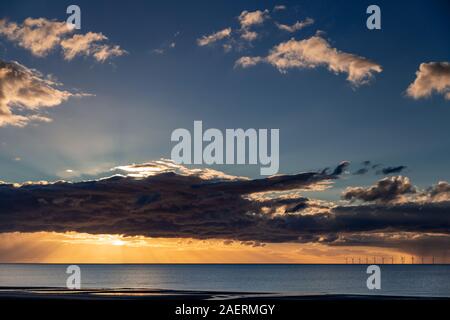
x: 431, y: 77
x: 166, y: 165
x: 40, y: 36
x: 315, y: 52
x: 296, y: 26
x: 219, y: 35
x: 27, y: 91
x: 279, y: 7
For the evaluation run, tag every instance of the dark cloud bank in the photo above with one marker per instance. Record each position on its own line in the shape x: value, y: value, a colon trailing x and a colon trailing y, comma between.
x: 188, y: 206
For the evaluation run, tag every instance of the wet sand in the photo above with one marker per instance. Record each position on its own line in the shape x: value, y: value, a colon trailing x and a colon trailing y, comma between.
x: 47, y: 293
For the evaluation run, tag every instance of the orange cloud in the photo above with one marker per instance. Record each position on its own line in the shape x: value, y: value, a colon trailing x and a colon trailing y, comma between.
x: 431, y: 77
x: 40, y: 36
x: 29, y: 90
x: 315, y: 52
x: 219, y: 35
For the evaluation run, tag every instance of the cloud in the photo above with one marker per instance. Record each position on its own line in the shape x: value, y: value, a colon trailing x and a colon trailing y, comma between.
x: 361, y: 171
x: 315, y: 52
x: 219, y: 35
x: 385, y: 190
x: 296, y: 26
x: 189, y: 204
x: 104, y: 52
x: 144, y: 170
x: 368, y: 166
x: 167, y: 204
x: 246, y: 62
x: 81, y: 44
x: 393, y: 218
x: 422, y: 244
x: 87, y: 45
x: 249, y: 35
x: 159, y: 51
x: 390, y: 170
x: 341, y: 168
x: 439, y: 192
x: 279, y: 7
x: 28, y: 91
x: 248, y: 19
x: 431, y: 77
x: 40, y: 36
x: 240, y: 37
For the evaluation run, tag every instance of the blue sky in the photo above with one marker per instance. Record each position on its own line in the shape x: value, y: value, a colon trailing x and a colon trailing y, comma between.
x: 141, y: 97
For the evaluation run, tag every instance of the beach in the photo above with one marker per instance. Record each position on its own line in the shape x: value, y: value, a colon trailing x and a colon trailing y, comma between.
x: 55, y: 294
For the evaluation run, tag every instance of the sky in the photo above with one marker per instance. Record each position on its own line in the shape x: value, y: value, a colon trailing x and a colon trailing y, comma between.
x: 86, y: 104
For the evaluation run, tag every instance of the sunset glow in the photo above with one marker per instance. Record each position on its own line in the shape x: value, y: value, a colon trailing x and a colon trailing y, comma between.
x: 70, y: 247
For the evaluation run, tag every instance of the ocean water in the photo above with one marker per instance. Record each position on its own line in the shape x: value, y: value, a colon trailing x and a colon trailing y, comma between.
x: 399, y: 280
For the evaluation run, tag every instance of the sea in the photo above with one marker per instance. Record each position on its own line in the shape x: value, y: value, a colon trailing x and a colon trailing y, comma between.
x: 396, y: 280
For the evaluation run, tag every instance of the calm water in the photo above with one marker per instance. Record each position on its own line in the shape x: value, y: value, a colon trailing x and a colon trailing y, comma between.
x: 406, y: 280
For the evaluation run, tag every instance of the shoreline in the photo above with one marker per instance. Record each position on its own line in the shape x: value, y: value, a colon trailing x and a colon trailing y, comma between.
x: 54, y: 294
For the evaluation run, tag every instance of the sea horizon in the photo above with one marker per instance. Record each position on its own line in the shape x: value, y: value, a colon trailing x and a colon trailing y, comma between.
x: 286, y: 279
